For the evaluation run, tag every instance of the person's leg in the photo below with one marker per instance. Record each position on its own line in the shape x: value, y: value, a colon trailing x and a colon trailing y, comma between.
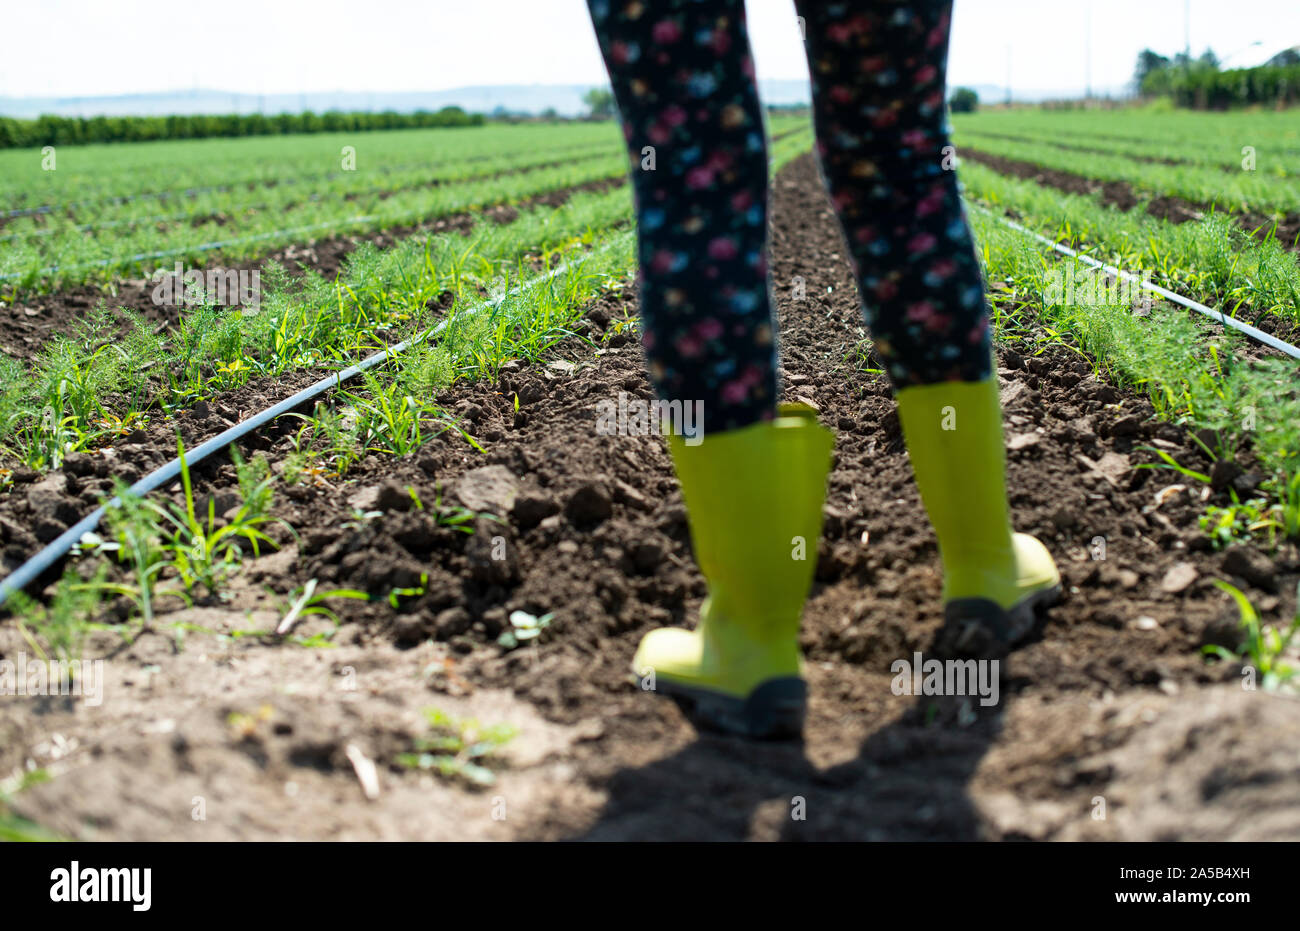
x: 683, y: 78
x: 878, y: 70
x: 879, y: 73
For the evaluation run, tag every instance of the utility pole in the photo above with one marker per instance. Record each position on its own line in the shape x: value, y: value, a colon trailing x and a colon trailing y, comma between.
x: 1087, y: 51
x: 1008, y: 75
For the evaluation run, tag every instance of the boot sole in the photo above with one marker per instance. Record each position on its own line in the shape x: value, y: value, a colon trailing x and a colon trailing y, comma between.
x: 980, y: 628
x: 773, y: 711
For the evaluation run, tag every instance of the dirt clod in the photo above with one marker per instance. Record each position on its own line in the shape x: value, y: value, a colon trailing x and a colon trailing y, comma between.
x: 490, y: 489
x: 1251, y: 565
x: 1179, y: 578
x: 589, y: 504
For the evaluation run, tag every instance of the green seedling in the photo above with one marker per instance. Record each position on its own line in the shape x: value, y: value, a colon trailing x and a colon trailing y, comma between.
x: 59, y: 630
x: 1290, y: 499
x: 1264, y: 646
x: 396, y: 595
x: 14, y: 828
x: 458, y: 748
x: 457, y: 517
x: 523, y: 627
x: 1169, y: 462
x: 1242, y: 522
x: 203, y: 552
x: 136, y: 536
x: 153, y: 539
x: 308, y: 602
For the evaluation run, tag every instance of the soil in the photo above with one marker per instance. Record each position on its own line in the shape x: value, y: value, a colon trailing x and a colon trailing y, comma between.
x: 1124, y: 196
x: 1110, y: 726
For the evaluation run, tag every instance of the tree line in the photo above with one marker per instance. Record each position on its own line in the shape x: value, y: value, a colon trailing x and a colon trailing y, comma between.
x: 79, y: 130
x: 1201, y: 83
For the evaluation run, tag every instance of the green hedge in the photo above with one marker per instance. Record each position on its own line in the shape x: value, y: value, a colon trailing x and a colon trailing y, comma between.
x: 1207, y: 88
x: 61, y: 130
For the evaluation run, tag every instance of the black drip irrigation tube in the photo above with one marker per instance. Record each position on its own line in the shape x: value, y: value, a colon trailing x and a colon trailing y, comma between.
x: 31, y: 570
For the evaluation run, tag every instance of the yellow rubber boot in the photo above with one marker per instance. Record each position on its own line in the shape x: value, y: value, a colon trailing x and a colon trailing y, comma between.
x: 754, y: 502
x: 995, y: 580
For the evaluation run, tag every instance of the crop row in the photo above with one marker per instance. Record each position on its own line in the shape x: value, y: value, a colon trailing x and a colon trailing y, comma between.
x: 1269, y: 162
x: 101, y: 172
x: 1212, y: 260
x: 284, y: 214
x: 227, y: 200
x: 1247, y: 409
x: 92, y: 385
x: 154, y: 551
x: 290, y: 208
x: 1179, y: 134
x: 1207, y: 185
x: 94, y: 174
x: 75, y: 259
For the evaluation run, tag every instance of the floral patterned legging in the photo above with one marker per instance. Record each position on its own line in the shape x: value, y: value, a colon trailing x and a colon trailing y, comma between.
x: 683, y: 78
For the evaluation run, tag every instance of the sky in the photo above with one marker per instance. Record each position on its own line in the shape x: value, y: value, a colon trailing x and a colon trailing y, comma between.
x: 77, y: 48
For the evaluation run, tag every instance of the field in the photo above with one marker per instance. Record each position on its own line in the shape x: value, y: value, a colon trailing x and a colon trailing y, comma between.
x: 405, y: 608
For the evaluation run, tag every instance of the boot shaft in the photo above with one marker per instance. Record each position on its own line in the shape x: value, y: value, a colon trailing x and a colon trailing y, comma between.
x: 754, y: 498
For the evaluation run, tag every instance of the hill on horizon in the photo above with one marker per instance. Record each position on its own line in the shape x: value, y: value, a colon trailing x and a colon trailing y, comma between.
x: 564, y: 99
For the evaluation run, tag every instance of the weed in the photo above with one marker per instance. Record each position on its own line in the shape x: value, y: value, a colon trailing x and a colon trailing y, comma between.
x: 523, y: 627
x: 256, y: 484
x: 136, y: 535
x: 307, y: 602
x: 458, y: 749
x: 152, y: 539
x: 1289, y: 496
x: 63, y: 625
x: 1169, y: 462
x: 14, y: 828
x: 1241, y: 522
x: 396, y: 595
x: 1264, y: 645
x: 456, y: 517
x: 203, y: 552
